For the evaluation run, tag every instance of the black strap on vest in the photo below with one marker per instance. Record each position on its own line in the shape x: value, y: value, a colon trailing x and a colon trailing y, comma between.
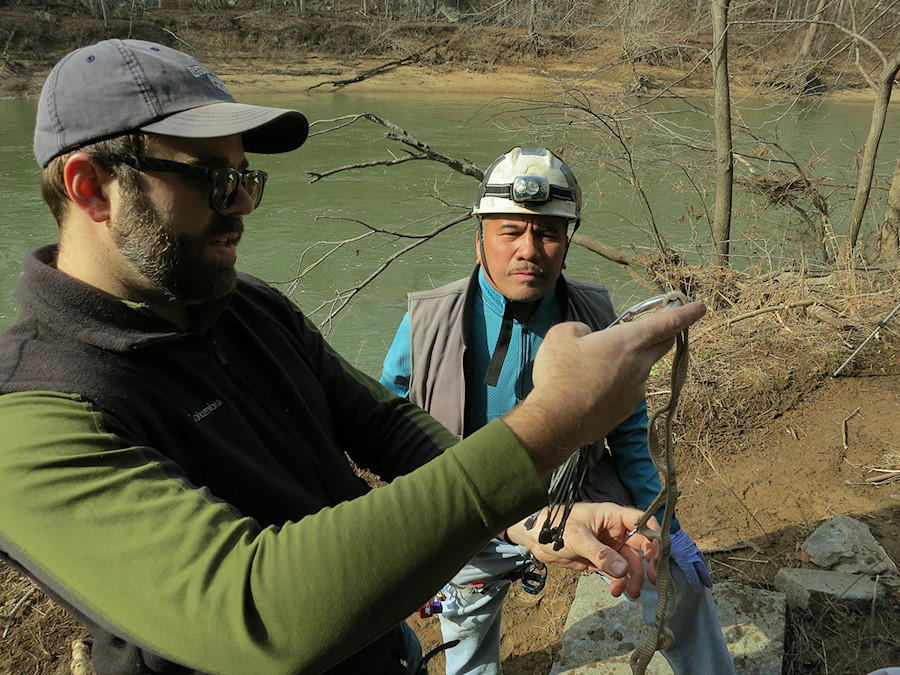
x: 492, y: 375
x: 514, y: 311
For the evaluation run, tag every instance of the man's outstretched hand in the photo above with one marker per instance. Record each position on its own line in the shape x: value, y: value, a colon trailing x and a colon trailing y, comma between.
x: 596, y: 539
x: 586, y: 382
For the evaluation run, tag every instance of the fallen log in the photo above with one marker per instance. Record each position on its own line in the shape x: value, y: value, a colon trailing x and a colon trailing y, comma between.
x: 378, y: 70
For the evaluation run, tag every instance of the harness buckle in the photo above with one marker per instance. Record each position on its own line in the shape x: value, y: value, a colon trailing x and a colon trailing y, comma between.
x: 534, y: 576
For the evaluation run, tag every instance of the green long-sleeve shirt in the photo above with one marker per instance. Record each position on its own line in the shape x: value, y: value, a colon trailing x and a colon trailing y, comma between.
x: 189, y: 493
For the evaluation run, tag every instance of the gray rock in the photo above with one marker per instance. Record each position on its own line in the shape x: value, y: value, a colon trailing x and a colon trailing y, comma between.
x: 602, y: 631
x: 816, y: 589
x: 449, y: 13
x: 844, y: 544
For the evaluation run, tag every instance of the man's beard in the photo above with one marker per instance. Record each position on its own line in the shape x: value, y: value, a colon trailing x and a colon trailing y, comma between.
x: 172, y: 268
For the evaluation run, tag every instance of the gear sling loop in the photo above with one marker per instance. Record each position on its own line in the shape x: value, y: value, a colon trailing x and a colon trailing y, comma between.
x: 567, y: 479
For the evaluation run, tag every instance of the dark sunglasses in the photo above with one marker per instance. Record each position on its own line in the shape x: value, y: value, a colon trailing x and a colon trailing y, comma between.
x: 223, y: 182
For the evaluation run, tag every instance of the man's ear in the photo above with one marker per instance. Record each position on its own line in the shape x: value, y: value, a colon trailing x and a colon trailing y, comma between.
x: 478, y: 246
x: 87, y: 184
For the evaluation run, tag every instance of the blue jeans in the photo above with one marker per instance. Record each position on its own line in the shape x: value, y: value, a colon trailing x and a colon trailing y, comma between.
x: 472, y: 615
x: 699, y: 644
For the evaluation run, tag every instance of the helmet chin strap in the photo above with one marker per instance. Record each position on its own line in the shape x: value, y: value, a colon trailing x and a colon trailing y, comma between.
x: 492, y: 374
x: 484, y: 264
x: 569, y: 240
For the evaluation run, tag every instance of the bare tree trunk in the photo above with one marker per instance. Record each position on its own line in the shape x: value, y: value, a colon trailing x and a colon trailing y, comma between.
x: 722, y: 118
x: 97, y: 7
x: 889, y: 234
x: 870, y: 152
x: 810, y: 37
x: 698, y: 11
x: 532, y: 28
x: 841, y: 9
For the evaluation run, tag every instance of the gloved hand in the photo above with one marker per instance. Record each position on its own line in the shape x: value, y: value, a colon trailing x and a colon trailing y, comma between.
x: 691, y: 561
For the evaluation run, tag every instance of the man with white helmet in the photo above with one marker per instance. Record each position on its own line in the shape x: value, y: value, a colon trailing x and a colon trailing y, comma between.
x: 465, y: 351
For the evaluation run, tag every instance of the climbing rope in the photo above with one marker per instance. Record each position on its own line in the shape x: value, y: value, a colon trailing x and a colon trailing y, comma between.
x: 663, y: 458
x: 566, y: 481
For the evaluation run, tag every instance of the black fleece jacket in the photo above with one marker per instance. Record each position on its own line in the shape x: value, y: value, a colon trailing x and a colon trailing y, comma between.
x: 188, y: 494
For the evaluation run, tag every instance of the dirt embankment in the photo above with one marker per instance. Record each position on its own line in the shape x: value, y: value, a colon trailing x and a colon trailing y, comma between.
x: 282, y: 53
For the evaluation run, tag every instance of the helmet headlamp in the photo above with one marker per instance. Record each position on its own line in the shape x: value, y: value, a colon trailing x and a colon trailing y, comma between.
x: 530, y: 189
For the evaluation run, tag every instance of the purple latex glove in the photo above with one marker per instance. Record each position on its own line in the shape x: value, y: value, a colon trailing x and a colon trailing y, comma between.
x: 691, y: 561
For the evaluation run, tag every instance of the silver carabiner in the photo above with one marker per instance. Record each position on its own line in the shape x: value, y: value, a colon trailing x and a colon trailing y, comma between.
x: 664, y: 301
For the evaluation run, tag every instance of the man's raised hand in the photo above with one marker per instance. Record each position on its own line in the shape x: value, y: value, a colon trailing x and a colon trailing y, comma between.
x: 586, y: 382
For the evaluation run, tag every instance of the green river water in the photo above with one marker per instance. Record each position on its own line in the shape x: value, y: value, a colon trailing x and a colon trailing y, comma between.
x: 297, y: 219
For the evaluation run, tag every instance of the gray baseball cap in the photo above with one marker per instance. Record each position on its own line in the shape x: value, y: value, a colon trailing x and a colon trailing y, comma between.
x: 119, y: 86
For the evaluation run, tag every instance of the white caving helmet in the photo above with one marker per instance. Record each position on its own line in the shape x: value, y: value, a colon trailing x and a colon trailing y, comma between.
x: 532, y: 181
x: 525, y: 181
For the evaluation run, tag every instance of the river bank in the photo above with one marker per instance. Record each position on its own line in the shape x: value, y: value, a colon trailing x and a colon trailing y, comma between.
x: 276, y: 52
x: 324, y: 75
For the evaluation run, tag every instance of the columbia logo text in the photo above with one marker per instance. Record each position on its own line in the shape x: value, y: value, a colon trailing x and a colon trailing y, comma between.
x: 210, y: 407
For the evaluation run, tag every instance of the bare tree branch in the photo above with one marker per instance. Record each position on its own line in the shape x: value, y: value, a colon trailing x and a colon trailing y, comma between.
x: 706, y: 330
x: 319, y: 175
x: 336, y: 246
x: 345, y: 296
x: 620, y: 256
x: 857, y: 37
x: 395, y: 134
